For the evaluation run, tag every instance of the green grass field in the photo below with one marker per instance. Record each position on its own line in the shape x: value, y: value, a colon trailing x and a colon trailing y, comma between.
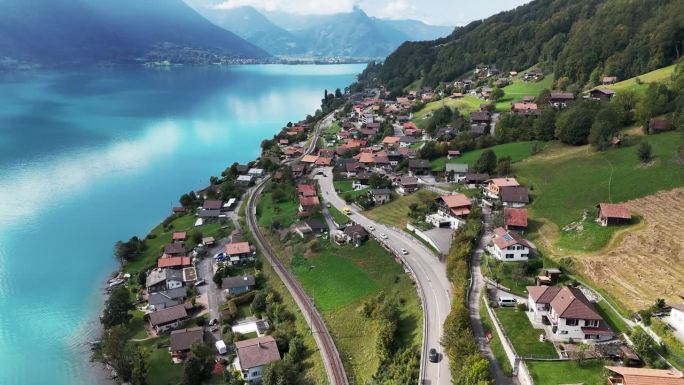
x: 565, y: 185
x: 160, y: 369
x: 338, y: 216
x: 660, y: 75
x: 516, y: 285
x: 518, y: 89
x: 523, y: 336
x: 516, y: 150
x: 396, y: 212
x: 495, y: 341
x: 465, y: 105
x: 566, y: 372
x: 270, y: 212
x: 344, y: 188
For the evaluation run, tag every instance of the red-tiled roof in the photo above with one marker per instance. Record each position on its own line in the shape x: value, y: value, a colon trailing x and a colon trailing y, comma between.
x: 309, y: 159
x: 238, y: 248
x: 610, y: 210
x: 504, y: 238
x: 309, y: 201
x: 643, y: 376
x: 306, y: 190
x: 515, y: 217
x: 504, y: 182
x: 257, y: 352
x: 179, y: 236
x: 456, y: 200
x: 173, y: 262
x: 543, y: 294
x: 570, y: 302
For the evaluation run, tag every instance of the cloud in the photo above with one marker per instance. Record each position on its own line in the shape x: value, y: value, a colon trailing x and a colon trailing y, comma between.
x: 397, y: 9
x: 292, y: 6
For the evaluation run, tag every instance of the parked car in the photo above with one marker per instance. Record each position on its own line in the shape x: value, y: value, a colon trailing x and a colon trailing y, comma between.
x: 220, y: 256
x: 383, y: 235
x: 371, y: 228
x: 433, y: 356
x: 213, y: 322
x: 507, y: 302
x: 214, y: 329
x: 200, y: 282
x: 328, y: 205
x: 404, y: 251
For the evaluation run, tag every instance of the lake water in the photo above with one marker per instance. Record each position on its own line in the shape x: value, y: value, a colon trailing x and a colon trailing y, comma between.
x: 94, y: 156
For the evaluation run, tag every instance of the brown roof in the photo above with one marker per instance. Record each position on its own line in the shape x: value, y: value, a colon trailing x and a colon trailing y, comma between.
x: 505, y: 238
x: 212, y: 204
x: 257, y: 352
x: 456, y: 200
x: 309, y: 201
x: 310, y: 159
x: 515, y: 217
x: 570, y: 302
x: 174, y: 248
x: 543, y: 294
x: 179, y: 236
x: 563, y: 95
x: 391, y: 140
x: 173, y: 262
x: 642, y: 376
x: 168, y: 315
x: 504, y: 182
x: 183, y: 339
x: 515, y: 194
x: 238, y: 248
x: 610, y: 210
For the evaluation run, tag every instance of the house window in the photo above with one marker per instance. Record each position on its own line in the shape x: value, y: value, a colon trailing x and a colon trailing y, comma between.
x: 510, y: 256
x: 592, y: 323
x: 571, y: 322
x: 563, y: 332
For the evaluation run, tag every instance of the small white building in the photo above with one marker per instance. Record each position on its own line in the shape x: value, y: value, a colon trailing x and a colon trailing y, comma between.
x: 567, y: 313
x: 253, y: 355
x: 509, y: 246
x: 256, y: 172
x: 676, y: 318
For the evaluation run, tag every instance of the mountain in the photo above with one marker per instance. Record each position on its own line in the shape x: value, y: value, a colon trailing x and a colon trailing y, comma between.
x: 579, y: 41
x: 352, y: 34
x: 86, y: 31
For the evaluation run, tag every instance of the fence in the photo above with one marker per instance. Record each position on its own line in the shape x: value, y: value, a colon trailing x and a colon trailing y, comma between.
x: 421, y: 235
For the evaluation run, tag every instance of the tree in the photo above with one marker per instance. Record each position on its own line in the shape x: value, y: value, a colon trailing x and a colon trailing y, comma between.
x: 199, y: 365
x: 192, y: 372
x: 139, y: 373
x: 258, y: 305
x: 197, y: 236
x: 574, y: 124
x: 218, y: 278
x: 604, y: 128
x: 644, y: 152
x: 503, y: 166
x: 129, y: 250
x: 117, y: 308
x: 497, y: 94
x: 280, y: 372
x: 486, y: 163
x: 582, y: 352
x: 115, y: 350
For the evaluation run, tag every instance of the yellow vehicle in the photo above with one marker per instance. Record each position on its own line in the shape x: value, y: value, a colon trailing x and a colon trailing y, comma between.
x: 346, y: 210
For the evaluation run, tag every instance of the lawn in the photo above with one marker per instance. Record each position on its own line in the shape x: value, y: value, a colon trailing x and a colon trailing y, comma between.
x: 614, y: 321
x: 345, y: 189
x: 137, y: 325
x: 592, y: 236
x: 564, y: 186
x: 495, y: 341
x: 566, y: 372
x: 396, y: 212
x: 465, y: 105
x: 516, y: 150
x: 335, y: 277
x: 160, y: 369
x: 269, y: 212
x: 338, y: 216
x: 523, y: 336
x: 515, y: 283
x: 660, y: 75
x: 518, y: 89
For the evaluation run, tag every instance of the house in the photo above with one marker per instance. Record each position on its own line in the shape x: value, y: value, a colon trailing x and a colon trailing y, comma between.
x: 182, y: 340
x: 407, y: 185
x: 172, y: 262
x: 515, y: 218
x: 380, y: 196
x: 549, y: 276
x: 361, y: 181
x: 178, y: 210
x: 493, y: 188
x: 244, y: 180
x: 623, y: 375
x: 389, y: 141
x: 609, y: 80
x: 480, y: 121
x: 307, y: 205
x: 568, y: 312
x: 239, y: 252
x: 657, y: 125
x: 613, y: 214
x: 163, y: 279
x: 169, y: 318
x: 561, y: 99
x: 174, y: 249
x: 455, y: 172
x: 452, y: 211
x: 179, y: 236
x: 601, y: 94
x: 238, y: 285
x: 525, y: 108
x: 256, y: 172
x: 323, y: 161
x: 509, y: 246
x: 676, y: 318
x: 355, y: 234
x: 292, y: 152
x: 310, y: 159
x: 241, y: 169
x: 306, y: 190
x: 514, y: 196
x: 474, y: 180
x: 444, y: 133
x: 253, y: 355
x: 298, y: 170
x: 167, y: 298
x: 208, y: 241
x: 419, y: 166
x: 209, y: 216
x: 451, y: 154
x: 310, y: 226
x: 405, y: 141
x: 212, y: 204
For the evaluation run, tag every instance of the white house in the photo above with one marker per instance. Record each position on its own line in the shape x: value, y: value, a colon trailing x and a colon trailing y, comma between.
x: 381, y: 196
x: 493, y: 187
x: 452, y: 211
x: 508, y: 245
x: 456, y: 172
x: 253, y: 355
x: 676, y: 319
x: 568, y: 313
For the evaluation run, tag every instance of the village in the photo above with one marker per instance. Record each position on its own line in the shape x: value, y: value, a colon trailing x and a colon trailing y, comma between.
x: 209, y: 289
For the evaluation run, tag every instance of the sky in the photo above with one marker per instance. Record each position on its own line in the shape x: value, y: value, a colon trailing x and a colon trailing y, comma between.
x: 435, y: 12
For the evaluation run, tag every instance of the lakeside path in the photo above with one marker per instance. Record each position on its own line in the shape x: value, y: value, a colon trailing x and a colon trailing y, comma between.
x: 331, y: 358
x: 429, y: 273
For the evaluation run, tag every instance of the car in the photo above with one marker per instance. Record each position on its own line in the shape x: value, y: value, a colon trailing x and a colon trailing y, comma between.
x: 371, y: 228
x: 220, y: 256
x: 200, y: 282
x: 383, y: 235
x: 214, y: 329
x: 213, y: 322
x: 328, y: 205
x: 404, y: 251
x: 433, y: 356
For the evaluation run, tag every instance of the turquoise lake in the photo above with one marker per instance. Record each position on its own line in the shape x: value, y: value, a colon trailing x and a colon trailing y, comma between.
x: 90, y: 157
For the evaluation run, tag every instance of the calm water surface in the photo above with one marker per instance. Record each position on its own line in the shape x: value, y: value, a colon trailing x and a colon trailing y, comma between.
x: 91, y: 157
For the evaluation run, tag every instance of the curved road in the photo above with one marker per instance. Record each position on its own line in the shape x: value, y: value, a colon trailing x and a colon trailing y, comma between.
x: 429, y: 273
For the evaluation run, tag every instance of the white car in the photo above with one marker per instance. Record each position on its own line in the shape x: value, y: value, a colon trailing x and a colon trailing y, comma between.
x: 404, y: 251
x: 383, y: 235
x: 371, y: 228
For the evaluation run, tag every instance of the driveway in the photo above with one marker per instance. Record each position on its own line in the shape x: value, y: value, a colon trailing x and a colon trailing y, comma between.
x: 441, y: 237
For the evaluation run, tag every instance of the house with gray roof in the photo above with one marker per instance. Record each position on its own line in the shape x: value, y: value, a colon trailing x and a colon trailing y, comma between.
x: 455, y: 172
x: 253, y: 355
x: 169, y: 318
x: 167, y: 298
x: 182, y: 340
x: 238, y: 285
x: 163, y: 279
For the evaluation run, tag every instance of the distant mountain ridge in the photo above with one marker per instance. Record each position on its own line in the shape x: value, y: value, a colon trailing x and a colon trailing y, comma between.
x: 352, y: 34
x: 86, y: 31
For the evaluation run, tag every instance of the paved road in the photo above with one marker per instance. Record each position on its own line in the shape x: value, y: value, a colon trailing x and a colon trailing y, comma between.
x: 430, y: 275
x: 477, y: 286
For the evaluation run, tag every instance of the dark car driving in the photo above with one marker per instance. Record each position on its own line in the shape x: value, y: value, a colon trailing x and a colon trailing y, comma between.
x: 434, y: 356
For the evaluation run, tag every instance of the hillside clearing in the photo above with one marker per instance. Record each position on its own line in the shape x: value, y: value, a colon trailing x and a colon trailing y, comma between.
x: 396, y: 213
x: 660, y: 75
x: 516, y: 150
